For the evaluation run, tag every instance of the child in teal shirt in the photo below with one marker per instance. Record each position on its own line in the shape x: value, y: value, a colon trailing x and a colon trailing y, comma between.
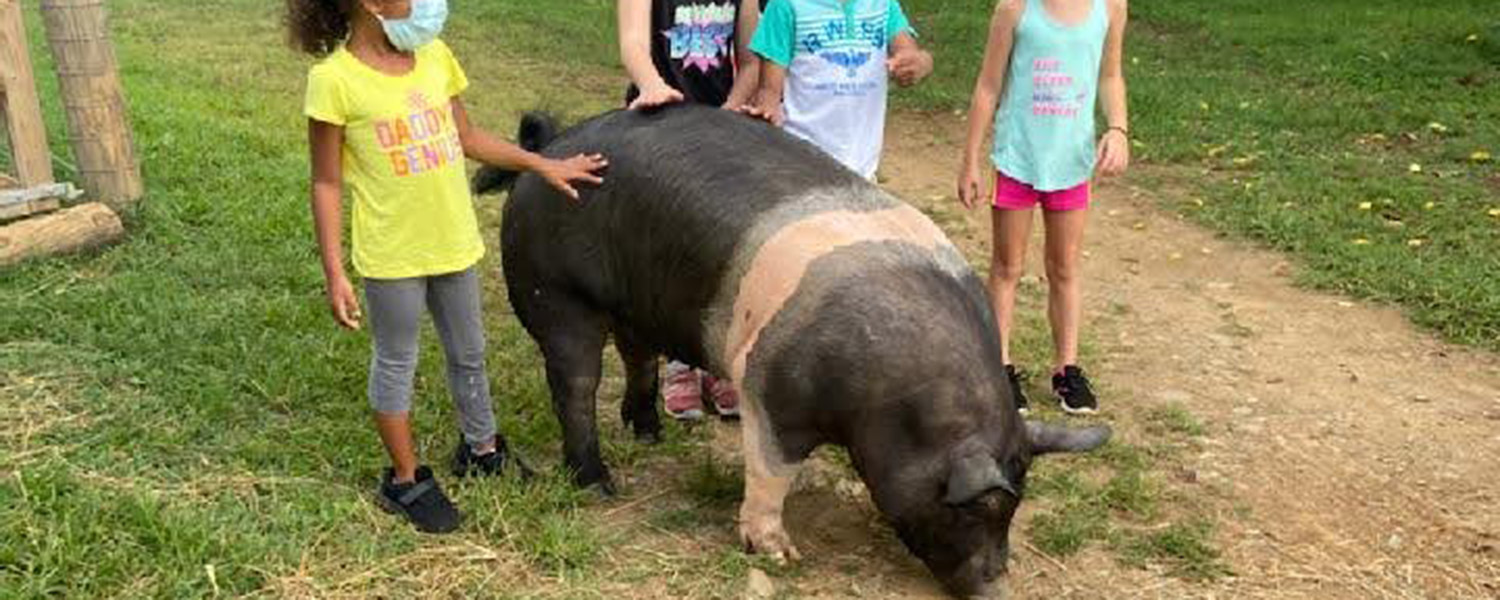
x: 826, y: 72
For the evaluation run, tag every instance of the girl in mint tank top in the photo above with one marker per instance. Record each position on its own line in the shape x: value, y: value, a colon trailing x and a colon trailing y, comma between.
x: 1047, y: 64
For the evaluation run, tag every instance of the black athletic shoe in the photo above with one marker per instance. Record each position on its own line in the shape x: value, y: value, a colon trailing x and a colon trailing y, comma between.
x: 1073, y: 391
x: 422, y: 502
x: 1016, y: 390
x: 466, y: 462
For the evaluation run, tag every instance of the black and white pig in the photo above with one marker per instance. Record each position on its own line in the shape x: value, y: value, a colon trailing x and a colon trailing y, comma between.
x: 841, y: 314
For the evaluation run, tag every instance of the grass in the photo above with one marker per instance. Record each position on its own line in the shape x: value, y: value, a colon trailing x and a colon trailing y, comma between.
x: 1173, y: 418
x: 1117, y: 498
x: 226, y: 431
x: 179, y: 418
x: 1088, y: 499
x: 714, y: 485
x: 1281, y: 123
x: 1186, y: 548
x: 182, y: 420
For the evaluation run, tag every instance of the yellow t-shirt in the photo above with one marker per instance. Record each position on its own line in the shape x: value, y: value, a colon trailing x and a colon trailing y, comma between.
x: 402, y: 162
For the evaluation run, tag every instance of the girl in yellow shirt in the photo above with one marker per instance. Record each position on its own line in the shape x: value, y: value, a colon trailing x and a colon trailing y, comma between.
x: 385, y: 120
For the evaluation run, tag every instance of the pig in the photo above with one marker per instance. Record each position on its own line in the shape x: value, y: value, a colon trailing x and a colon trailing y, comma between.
x: 840, y: 314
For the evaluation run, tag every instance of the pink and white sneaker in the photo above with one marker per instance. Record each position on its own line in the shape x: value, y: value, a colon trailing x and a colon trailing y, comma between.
x: 726, y: 399
x: 683, y: 393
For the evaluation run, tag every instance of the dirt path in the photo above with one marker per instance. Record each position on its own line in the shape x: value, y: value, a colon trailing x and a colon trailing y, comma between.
x: 1346, y: 454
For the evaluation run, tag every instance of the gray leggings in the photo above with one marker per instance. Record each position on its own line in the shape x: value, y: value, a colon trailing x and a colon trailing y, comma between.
x: 395, y: 309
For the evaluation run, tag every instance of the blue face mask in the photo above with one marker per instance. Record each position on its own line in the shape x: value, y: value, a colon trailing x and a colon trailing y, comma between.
x: 419, y: 28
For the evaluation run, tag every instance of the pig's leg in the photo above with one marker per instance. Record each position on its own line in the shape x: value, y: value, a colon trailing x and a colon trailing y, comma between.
x: 768, y: 479
x: 571, y: 336
x: 638, y: 408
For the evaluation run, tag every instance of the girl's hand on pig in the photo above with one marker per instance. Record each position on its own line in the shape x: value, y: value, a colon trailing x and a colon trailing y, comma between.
x: 562, y: 173
x: 654, y: 96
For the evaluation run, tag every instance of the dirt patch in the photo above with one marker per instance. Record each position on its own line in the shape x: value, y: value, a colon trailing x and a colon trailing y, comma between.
x: 1338, y: 451
x: 1345, y: 453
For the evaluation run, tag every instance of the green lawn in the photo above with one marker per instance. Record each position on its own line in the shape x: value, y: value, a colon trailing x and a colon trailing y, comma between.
x: 1282, y: 120
x: 178, y: 417
x: 1279, y: 121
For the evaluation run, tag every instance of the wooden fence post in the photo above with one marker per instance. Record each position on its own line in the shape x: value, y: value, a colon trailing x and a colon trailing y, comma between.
x: 95, y: 105
x: 18, y: 101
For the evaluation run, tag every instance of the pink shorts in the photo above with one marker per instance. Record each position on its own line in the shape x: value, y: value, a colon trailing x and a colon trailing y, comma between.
x: 1015, y: 195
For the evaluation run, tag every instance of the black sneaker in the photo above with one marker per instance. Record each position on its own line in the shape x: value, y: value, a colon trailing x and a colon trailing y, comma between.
x: 1073, y: 392
x: 422, y: 502
x: 1016, y: 390
x: 466, y: 462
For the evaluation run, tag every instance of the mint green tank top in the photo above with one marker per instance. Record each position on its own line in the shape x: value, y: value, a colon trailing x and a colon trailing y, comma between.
x: 1044, y: 130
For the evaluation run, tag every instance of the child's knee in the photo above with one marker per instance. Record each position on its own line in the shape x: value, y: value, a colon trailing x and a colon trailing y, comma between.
x: 467, y: 360
x: 1062, y: 271
x: 1008, y: 272
x: 391, y: 378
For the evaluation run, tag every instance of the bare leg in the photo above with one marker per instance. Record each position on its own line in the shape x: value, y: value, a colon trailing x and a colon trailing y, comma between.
x: 395, y: 432
x: 1011, y: 229
x: 1064, y: 292
x: 768, y: 479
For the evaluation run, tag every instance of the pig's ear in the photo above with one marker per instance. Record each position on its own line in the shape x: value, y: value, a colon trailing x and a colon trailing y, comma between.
x: 972, y: 475
x: 1046, y: 438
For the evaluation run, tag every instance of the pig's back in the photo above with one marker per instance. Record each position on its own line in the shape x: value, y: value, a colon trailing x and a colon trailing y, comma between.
x: 691, y: 193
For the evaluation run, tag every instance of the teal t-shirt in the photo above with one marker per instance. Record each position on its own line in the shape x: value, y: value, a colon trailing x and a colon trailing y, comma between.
x: 835, y: 53
x: 778, y: 37
x: 1044, y: 130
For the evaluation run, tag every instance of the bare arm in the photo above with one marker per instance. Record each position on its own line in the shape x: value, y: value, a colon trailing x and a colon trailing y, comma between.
x: 747, y: 67
x: 1114, y: 145
x: 326, y: 142
x: 483, y: 147
x: 908, y: 63
x: 987, y: 89
x: 635, y: 52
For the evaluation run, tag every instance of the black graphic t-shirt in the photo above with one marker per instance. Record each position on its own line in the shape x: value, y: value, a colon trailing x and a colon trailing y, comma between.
x: 692, y: 45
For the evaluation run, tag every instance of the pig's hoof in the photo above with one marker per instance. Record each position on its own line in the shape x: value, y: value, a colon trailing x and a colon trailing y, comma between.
x: 647, y: 430
x: 605, y: 490
x: 601, y: 484
x: 772, y: 542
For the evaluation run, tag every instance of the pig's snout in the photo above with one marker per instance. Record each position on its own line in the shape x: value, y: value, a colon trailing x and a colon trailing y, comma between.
x: 995, y: 590
x: 982, y: 577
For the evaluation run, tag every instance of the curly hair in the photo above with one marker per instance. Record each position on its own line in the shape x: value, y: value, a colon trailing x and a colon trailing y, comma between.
x: 317, y: 27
